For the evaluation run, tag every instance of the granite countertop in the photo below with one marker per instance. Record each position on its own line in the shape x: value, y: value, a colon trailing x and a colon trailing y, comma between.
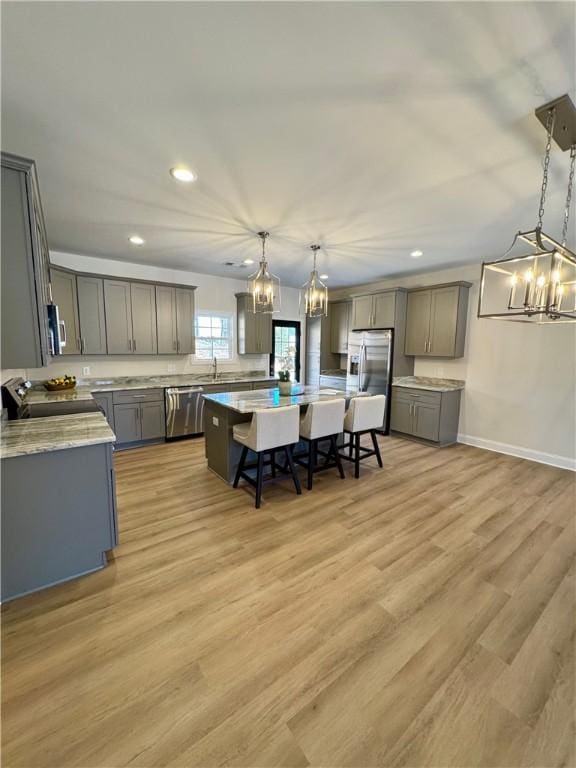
x: 428, y: 382
x: 86, y: 387
x: 53, y: 433
x: 248, y: 402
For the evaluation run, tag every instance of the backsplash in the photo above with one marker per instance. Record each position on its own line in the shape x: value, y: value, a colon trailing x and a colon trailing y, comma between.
x: 102, y: 367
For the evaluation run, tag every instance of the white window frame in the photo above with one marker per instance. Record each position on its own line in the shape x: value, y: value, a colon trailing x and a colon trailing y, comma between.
x: 214, y: 313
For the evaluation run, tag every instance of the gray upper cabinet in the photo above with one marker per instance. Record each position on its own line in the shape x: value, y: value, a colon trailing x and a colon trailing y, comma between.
x: 376, y: 310
x: 143, y: 304
x: 91, y: 315
x: 175, y: 320
x: 436, y: 320
x: 254, y: 329
x: 25, y: 338
x: 166, y: 320
x: 118, y: 317
x: 185, y: 321
x: 361, y: 313
x: 153, y: 422
x: 65, y: 295
x: 340, y: 323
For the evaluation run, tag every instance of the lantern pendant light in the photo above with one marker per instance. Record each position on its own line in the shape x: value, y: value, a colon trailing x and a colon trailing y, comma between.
x: 538, y: 283
x: 314, y: 294
x: 263, y: 285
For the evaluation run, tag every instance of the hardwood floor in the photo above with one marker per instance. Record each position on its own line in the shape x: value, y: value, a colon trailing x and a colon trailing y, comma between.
x: 420, y: 616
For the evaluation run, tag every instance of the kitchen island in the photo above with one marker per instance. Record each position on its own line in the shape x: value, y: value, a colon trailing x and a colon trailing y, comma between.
x: 225, y: 409
x: 58, y: 500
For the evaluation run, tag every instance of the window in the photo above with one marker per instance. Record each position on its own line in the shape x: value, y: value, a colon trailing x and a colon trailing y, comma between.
x: 213, y: 336
x: 286, y: 348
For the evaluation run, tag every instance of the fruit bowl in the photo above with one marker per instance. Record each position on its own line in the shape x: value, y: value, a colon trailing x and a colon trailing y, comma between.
x: 59, y: 386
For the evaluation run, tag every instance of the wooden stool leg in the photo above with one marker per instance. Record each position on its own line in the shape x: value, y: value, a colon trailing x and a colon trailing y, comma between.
x: 376, y: 447
x: 337, y: 458
x: 351, y: 445
x: 273, y: 464
x: 240, y: 466
x: 259, y: 478
x: 357, y: 455
x: 288, y: 451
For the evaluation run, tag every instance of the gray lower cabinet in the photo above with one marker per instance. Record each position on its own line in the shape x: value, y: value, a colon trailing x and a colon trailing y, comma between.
x: 152, y: 420
x: 118, y: 317
x: 436, y: 320
x: 254, y: 328
x: 425, y: 414
x: 139, y: 415
x: 91, y: 315
x: 25, y: 338
x: 105, y: 403
x: 60, y: 526
x: 65, y: 295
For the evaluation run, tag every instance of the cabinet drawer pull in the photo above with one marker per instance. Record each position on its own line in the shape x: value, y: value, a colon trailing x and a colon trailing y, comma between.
x: 134, y: 344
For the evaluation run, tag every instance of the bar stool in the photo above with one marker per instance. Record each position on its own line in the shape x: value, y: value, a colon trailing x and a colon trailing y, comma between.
x: 323, y: 420
x: 364, y: 415
x: 271, y: 429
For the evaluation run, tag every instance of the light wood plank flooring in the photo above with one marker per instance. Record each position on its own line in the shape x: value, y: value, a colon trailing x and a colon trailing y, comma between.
x: 420, y: 616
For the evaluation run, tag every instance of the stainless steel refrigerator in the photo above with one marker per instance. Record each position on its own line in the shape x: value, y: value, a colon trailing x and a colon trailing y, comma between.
x: 370, y: 365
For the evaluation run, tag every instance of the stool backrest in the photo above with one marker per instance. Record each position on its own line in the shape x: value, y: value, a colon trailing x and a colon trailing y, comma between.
x: 326, y: 417
x: 272, y: 427
x: 365, y: 413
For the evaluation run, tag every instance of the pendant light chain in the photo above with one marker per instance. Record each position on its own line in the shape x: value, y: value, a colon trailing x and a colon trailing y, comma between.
x: 569, y: 194
x: 549, y: 130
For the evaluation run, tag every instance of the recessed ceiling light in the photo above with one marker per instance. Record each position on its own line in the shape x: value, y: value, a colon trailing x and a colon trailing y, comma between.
x: 416, y: 254
x: 181, y: 173
x: 248, y: 261
x: 323, y: 277
x: 136, y: 240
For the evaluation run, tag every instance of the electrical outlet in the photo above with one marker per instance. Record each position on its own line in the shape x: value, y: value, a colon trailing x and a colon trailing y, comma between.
x: 215, y: 421
x: 86, y: 370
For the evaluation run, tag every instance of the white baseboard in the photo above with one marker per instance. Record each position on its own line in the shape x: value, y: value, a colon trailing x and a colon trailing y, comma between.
x: 564, y: 462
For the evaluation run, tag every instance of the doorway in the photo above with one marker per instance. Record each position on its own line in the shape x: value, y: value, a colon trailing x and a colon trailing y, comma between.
x: 285, y: 348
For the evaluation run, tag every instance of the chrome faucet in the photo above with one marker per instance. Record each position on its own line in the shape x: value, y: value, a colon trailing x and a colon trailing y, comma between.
x: 215, y: 368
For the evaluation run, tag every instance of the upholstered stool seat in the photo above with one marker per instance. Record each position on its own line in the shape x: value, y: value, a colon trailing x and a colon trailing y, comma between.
x: 270, y: 430
x: 322, y: 422
x: 365, y: 415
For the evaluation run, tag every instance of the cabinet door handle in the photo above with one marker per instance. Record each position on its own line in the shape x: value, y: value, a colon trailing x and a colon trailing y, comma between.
x: 129, y: 345
x: 134, y: 344
x: 174, y: 345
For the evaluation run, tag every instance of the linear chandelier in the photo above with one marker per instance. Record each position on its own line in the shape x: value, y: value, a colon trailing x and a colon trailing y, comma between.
x: 538, y: 284
x: 314, y: 293
x: 263, y: 285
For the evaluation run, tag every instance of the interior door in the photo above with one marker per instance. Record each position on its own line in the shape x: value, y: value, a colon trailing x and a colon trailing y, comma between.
x: 143, y: 300
x: 118, y: 317
x: 285, y: 348
x: 417, y: 323
x: 64, y: 294
x: 443, y: 321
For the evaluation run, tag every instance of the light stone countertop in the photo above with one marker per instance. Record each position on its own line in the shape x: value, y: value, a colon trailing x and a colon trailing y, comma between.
x: 248, y: 402
x: 53, y: 433
x: 428, y: 382
x: 86, y: 387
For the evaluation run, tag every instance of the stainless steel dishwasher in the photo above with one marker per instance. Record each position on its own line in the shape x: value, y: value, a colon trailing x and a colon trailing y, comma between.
x: 184, y: 411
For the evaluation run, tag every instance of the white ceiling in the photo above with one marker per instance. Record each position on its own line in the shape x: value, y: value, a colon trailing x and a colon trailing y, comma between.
x: 372, y: 128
